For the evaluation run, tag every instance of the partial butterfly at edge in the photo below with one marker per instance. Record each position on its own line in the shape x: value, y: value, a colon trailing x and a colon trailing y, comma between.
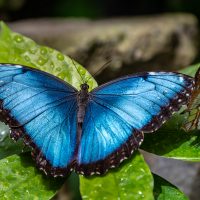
x: 87, y: 132
x: 193, y: 107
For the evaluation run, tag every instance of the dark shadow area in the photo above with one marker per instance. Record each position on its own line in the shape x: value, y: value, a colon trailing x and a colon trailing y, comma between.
x: 159, y: 182
x: 15, y: 10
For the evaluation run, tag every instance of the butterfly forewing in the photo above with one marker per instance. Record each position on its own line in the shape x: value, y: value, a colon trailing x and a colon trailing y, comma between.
x: 42, y: 110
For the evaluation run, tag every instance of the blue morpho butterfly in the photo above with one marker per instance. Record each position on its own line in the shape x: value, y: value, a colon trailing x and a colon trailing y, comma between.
x: 88, y: 132
x: 193, y: 107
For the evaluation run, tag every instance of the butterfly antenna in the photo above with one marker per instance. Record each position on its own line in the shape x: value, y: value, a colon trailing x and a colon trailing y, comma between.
x: 100, y: 69
x: 77, y: 70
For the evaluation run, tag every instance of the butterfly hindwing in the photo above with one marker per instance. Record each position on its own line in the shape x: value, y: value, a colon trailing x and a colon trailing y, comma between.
x: 42, y: 110
x: 120, y: 111
x: 193, y: 107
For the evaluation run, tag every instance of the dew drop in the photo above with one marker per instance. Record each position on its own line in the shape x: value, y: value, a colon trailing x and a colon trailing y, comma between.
x: 121, y: 179
x: 60, y: 57
x: 62, y: 76
x: 41, y: 61
x: 33, y: 51
x: 90, y: 81
x: 81, y: 71
x: 27, y: 58
x: 18, y: 38
x: 4, y: 131
x: 59, y: 69
x: 3, y: 135
x: 52, y: 65
x: 140, y: 192
x: 43, y: 51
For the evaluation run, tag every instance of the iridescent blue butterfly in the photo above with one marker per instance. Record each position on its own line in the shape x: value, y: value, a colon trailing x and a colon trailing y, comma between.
x: 193, y: 107
x: 88, y: 132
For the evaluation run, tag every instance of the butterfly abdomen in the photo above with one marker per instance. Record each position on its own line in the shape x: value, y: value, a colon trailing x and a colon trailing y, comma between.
x: 82, y: 102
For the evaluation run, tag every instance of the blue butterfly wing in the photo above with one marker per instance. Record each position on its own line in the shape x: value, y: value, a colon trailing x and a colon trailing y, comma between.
x: 119, y: 112
x: 192, y: 121
x: 41, y: 109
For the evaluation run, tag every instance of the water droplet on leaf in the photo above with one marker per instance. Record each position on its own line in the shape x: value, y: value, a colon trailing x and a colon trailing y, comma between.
x: 18, y: 38
x: 43, y: 51
x: 27, y: 58
x: 33, y: 51
x: 3, y: 135
x: 41, y: 61
x: 59, y: 69
x: 60, y: 57
x: 81, y: 71
x: 52, y: 65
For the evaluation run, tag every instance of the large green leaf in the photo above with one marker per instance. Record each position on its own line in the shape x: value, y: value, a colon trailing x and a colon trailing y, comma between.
x: 18, y: 49
x: 171, y: 140
x: 163, y: 190
x: 133, y: 180
x: 21, y: 180
x: 191, y: 70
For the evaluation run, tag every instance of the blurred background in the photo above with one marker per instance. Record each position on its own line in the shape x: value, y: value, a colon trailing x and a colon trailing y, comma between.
x: 139, y: 42
x: 136, y: 35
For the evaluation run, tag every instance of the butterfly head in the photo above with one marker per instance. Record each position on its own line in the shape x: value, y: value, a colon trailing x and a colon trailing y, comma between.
x: 84, y: 86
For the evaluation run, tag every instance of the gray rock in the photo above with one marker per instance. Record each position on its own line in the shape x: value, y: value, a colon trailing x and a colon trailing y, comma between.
x: 134, y: 44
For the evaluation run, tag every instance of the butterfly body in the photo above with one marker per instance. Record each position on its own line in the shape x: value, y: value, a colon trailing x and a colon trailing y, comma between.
x: 88, y: 132
x: 83, y: 97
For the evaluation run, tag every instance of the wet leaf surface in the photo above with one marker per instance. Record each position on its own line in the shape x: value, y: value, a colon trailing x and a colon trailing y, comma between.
x: 133, y: 180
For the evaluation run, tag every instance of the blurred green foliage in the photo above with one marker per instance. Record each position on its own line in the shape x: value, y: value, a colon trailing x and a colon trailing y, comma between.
x: 20, y: 9
x: 78, y: 8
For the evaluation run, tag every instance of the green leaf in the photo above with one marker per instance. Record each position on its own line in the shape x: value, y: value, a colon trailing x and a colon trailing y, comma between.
x: 163, y: 190
x: 7, y: 145
x: 21, y: 180
x: 191, y: 70
x: 173, y: 142
x: 133, y: 180
x: 18, y: 49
